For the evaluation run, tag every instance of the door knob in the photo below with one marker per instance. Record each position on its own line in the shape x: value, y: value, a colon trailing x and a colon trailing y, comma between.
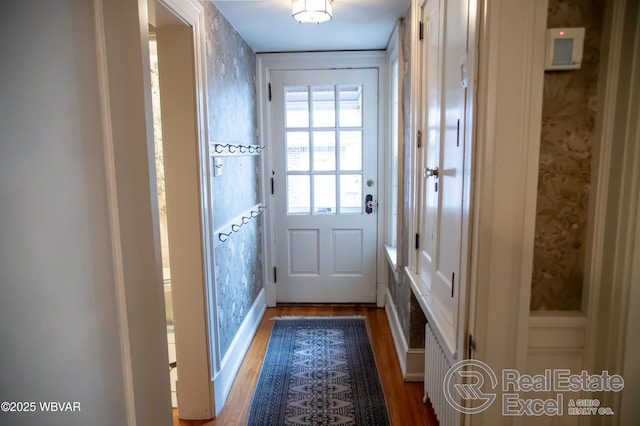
x: 427, y: 172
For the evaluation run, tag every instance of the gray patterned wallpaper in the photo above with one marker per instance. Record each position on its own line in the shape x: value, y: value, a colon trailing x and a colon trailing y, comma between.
x: 231, y: 95
x: 564, y: 183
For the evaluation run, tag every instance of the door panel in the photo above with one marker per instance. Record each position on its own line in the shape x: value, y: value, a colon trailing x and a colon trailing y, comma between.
x: 431, y: 124
x: 304, y: 252
x: 347, y: 251
x: 324, y: 133
x: 444, y: 50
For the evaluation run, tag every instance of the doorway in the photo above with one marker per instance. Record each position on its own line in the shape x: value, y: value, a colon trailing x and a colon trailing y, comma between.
x: 162, y: 210
x: 176, y: 24
x: 325, y: 141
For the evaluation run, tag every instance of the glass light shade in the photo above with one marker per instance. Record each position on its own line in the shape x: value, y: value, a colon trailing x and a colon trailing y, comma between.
x: 311, y: 11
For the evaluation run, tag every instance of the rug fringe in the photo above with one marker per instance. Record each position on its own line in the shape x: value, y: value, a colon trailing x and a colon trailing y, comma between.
x: 309, y: 317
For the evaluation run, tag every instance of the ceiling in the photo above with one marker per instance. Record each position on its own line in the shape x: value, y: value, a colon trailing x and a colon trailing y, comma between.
x: 267, y: 25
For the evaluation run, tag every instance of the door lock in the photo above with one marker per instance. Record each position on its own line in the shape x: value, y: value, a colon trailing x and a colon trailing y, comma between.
x: 427, y: 172
x: 369, y: 204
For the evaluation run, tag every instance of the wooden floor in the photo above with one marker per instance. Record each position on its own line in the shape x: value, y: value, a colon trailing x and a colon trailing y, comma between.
x: 404, y: 400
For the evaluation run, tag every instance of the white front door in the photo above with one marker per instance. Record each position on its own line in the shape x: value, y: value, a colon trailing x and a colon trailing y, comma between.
x: 442, y: 154
x: 324, y: 139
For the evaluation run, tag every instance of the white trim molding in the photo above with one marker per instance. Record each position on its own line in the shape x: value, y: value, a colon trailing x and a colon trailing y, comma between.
x: 411, y: 360
x: 381, y: 294
x: 232, y: 360
x: 554, y: 329
x: 265, y: 64
x: 116, y: 243
x: 613, y: 297
x: 510, y: 88
x: 122, y: 44
x: 399, y: 340
x: 192, y: 266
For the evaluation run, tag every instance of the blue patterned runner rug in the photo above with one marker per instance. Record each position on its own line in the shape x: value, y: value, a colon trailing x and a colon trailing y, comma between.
x: 318, y: 371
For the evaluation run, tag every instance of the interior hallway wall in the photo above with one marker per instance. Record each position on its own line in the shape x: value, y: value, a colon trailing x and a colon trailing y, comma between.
x: 59, y: 319
x: 231, y: 94
x: 570, y: 104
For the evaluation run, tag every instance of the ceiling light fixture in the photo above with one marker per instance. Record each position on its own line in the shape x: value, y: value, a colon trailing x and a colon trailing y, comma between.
x: 311, y: 11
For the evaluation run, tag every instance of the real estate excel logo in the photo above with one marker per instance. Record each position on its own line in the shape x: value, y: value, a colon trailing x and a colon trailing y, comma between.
x: 471, y: 386
x: 467, y: 378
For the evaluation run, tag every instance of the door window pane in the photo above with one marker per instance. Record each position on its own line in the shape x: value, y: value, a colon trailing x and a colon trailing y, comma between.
x: 350, y: 106
x: 298, y: 194
x: 296, y: 101
x: 324, y: 194
x: 298, y: 151
x: 351, y: 194
x: 351, y: 150
x: 324, y: 106
x: 324, y: 151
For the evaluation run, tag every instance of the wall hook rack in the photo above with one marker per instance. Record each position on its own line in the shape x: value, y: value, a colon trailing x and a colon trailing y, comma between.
x: 243, y: 220
x: 237, y: 149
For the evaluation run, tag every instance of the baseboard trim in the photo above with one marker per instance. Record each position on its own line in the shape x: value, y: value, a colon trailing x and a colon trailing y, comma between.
x: 411, y: 360
x: 415, y: 365
x: 399, y: 340
x: 233, y: 359
x: 381, y: 294
x: 270, y: 295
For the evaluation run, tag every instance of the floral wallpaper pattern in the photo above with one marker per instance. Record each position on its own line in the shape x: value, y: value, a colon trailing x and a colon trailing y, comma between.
x: 401, y: 295
x: 564, y: 182
x: 231, y: 94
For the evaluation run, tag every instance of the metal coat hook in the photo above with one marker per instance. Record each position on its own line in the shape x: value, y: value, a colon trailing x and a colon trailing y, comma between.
x: 252, y: 214
x: 224, y: 236
x: 228, y: 148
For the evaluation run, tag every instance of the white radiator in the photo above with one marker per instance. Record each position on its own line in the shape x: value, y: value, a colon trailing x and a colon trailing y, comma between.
x: 435, y: 368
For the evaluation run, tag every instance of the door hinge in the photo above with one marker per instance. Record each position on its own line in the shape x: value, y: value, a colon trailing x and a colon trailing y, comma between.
x: 453, y: 282
x: 269, y: 92
x: 275, y: 275
x: 273, y: 182
x: 420, y: 31
x: 471, y: 346
x: 419, y: 138
x: 417, y: 241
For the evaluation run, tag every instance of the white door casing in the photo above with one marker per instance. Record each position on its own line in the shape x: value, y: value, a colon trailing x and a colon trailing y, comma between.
x: 324, y: 167
x: 180, y: 29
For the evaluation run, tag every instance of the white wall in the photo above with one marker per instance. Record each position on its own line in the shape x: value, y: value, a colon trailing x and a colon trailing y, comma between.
x: 59, y: 331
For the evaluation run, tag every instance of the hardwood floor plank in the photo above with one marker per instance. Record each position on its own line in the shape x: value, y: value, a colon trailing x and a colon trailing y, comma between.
x: 404, y: 399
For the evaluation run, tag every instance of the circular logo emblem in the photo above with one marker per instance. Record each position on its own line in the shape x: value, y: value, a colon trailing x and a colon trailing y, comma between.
x: 462, y: 386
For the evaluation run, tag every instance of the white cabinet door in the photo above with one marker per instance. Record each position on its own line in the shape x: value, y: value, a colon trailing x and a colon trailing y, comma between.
x: 324, y: 140
x: 442, y: 154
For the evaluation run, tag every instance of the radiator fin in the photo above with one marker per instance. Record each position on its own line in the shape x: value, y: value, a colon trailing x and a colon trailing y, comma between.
x: 436, y: 367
